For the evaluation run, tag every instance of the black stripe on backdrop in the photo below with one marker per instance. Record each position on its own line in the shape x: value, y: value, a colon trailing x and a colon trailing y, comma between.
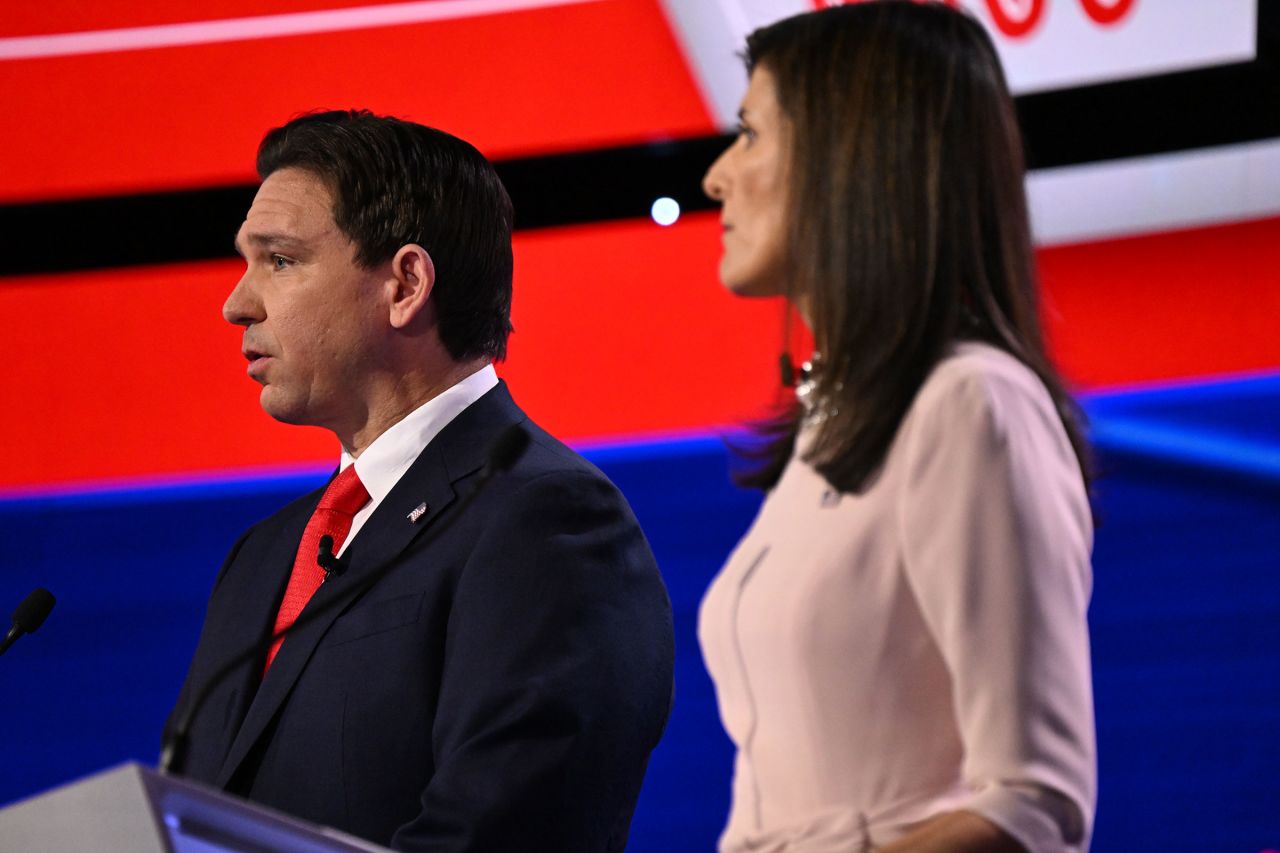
x: 1154, y: 115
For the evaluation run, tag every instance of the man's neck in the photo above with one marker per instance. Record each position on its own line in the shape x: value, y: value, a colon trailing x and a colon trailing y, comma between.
x: 402, y: 396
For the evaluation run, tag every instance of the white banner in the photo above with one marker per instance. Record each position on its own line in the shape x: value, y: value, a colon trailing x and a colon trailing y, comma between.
x: 1059, y: 44
x: 1044, y: 44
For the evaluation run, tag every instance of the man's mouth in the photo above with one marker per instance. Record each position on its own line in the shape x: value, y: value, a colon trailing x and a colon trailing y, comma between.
x: 257, y: 361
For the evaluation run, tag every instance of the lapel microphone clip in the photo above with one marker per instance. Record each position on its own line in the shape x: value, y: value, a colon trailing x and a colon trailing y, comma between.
x: 327, y: 560
x: 787, y: 369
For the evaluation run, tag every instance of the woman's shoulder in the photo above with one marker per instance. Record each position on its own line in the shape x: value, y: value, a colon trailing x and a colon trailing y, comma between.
x: 981, y: 417
x: 974, y: 363
x: 977, y: 383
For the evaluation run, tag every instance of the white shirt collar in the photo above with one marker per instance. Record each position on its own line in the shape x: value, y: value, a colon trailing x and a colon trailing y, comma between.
x: 385, y: 461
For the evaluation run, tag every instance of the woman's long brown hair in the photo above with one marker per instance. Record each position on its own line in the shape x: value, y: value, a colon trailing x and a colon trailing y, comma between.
x: 908, y: 218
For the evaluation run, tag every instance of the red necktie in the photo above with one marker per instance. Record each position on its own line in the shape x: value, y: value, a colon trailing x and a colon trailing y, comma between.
x: 338, y: 506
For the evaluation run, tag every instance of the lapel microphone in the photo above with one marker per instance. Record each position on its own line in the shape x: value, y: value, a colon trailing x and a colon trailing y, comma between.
x: 501, y: 455
x: 29, y: 616
x: 787, y: 369
x: 327, y: 560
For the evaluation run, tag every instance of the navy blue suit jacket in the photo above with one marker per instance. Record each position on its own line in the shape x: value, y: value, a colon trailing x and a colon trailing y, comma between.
x: 500, y: 689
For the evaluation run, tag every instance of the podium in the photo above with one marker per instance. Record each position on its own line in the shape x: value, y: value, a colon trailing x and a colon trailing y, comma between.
x: 135, y: 809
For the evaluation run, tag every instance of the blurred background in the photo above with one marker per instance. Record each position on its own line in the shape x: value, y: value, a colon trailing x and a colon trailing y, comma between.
x: 135, y: 450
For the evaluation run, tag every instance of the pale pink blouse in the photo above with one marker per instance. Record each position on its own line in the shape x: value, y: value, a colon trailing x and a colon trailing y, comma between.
x: 921, y: 647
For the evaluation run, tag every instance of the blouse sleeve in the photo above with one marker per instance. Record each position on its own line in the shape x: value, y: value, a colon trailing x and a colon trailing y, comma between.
x: 997, y: 534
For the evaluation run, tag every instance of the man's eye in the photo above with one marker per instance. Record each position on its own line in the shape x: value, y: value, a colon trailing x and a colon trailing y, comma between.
x: 280, y: 262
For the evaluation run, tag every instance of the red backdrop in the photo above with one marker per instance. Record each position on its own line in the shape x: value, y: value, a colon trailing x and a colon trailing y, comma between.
x: 621, y: 327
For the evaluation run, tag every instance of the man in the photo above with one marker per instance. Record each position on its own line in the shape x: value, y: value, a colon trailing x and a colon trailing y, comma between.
x: 500, y: 684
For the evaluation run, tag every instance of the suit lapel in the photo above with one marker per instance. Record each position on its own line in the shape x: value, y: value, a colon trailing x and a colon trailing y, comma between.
x: 247, y: 603
x: 256, y: 602
x: 458, y: 451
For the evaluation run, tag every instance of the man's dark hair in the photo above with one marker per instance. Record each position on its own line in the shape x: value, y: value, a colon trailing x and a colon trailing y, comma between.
x: 395, y: 182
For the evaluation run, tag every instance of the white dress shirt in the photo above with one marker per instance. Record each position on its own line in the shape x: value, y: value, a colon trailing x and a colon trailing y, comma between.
x: 386, y: 460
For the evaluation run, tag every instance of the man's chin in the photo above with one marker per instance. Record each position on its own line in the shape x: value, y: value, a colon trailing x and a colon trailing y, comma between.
x: 283, y: 410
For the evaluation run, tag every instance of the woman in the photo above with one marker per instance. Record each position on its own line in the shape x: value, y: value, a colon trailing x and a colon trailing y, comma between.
x: 899, y: 643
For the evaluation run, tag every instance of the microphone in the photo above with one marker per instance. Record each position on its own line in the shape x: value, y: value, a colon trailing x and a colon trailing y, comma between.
x: 503, y: 453
x: 327, y: 560
x: 787, y: 368
x: 29, y: 616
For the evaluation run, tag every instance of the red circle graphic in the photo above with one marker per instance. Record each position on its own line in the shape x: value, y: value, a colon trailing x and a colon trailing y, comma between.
x: 1105, y: 13
x: 1016, y: 26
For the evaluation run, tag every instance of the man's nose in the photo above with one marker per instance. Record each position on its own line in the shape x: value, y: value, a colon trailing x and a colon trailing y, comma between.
x: 243, y: 307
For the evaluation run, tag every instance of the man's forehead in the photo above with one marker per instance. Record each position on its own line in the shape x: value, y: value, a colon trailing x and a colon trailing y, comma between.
x: 290, y: 203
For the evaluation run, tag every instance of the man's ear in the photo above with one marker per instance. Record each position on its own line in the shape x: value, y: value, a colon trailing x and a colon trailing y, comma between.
x: 414, y: 275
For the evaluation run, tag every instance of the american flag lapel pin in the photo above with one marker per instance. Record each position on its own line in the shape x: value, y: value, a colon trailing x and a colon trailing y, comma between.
x: 418, y: 512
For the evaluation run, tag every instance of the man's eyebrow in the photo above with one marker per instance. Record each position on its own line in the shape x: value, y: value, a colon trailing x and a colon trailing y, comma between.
x: 269, y: 239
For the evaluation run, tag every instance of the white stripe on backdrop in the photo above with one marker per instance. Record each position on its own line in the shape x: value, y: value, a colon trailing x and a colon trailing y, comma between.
x: 260, y: 27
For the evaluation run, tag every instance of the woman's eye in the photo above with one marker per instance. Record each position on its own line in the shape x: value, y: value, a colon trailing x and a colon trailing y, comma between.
x: 746, y: 133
